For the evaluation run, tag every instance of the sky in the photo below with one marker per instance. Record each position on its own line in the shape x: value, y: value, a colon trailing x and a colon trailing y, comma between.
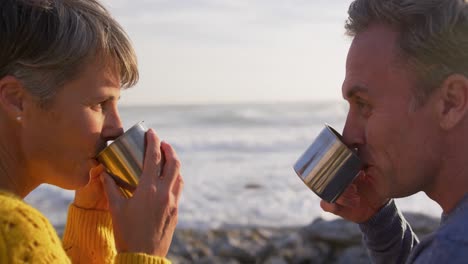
x: 231, y: 51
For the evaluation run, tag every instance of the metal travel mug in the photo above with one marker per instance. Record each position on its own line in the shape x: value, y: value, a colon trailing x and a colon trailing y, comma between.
x: 123, y: 158
x: 328, y: 166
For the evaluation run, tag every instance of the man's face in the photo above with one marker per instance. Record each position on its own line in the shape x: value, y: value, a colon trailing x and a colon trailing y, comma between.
x: 61, y: 141
x: 395, y: 139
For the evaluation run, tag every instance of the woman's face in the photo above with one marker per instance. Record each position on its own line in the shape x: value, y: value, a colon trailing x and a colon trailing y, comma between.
x: 61, y: 141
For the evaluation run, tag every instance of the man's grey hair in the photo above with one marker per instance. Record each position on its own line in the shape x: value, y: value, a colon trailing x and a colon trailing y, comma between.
x: 46, y: 43
x: 433, y: 38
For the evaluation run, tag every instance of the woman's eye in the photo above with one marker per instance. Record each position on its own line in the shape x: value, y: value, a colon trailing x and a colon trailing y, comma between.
x: 98, y: 107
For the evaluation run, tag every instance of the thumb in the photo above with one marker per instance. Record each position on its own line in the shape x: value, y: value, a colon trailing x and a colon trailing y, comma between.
x: 111, y: 190
x: 369, y: 192
x: 333, y: 208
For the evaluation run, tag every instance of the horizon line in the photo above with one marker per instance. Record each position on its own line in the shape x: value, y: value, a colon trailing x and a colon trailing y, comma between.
x: 240, y: 102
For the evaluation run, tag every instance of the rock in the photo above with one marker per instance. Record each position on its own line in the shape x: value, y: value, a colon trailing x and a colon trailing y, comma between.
x: 216, y: 260
x: 310, y: 255
x: 421, y: 224
x: 235, y: 252
x: 337, y: 241
x: 177, y: 259
x: 354, y: 255
x: 321, y: 242
x: 337, y: 231
x: 275, y: 260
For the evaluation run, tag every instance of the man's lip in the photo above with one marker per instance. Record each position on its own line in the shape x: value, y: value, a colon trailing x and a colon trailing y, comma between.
x: 366, y: 166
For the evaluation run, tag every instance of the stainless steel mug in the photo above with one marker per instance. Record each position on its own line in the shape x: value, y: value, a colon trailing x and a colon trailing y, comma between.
x: 123, y: 158
x: 328, y: 166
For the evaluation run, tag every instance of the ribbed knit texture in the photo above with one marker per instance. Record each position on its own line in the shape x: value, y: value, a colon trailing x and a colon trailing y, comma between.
x: 132, y: 258
x: 26, y: 236
x: 88, y: 236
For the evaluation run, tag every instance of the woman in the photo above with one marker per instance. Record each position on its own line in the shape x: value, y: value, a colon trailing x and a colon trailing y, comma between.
x: 62, y: 66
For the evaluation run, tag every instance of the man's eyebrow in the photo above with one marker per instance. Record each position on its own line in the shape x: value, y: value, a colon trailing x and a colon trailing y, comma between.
x: 356, y: 89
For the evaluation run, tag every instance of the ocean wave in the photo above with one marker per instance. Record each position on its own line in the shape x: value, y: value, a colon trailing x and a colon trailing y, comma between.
x: 239, y: 116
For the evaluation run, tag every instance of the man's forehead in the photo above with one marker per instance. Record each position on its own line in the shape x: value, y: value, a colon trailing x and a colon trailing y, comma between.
x: 376, y: 44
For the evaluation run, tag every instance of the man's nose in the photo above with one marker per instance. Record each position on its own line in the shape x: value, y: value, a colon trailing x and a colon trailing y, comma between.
x: 353, y: 132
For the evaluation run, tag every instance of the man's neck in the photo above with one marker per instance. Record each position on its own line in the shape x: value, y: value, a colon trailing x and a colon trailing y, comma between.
x: 451, y: 185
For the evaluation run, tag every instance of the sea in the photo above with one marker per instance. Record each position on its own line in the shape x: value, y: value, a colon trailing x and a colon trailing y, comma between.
x: 237, y: 163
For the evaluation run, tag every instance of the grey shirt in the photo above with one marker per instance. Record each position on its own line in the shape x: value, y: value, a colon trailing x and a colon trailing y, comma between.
x: 389, y: 237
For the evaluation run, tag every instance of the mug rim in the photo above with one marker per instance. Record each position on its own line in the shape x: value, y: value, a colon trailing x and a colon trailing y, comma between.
x: 339, y: 138
x: 328, y: 141
x: 120, y: 138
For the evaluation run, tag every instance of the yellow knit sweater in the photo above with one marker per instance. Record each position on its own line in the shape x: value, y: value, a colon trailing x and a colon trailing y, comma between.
x: 26, y: 236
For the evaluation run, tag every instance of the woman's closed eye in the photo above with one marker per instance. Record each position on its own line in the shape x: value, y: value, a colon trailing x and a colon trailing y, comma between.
x: 99, y: 107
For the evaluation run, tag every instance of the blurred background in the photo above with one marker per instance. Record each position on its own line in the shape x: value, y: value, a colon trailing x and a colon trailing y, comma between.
x: 225, y: 51
x: 240, y: 88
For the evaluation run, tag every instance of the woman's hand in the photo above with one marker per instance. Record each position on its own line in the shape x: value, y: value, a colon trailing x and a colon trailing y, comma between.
x: 358, y: 203
x: 146, y: 221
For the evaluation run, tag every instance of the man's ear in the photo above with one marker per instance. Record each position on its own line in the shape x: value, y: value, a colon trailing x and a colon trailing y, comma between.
x: 12, y: 96
x: 453, y: 101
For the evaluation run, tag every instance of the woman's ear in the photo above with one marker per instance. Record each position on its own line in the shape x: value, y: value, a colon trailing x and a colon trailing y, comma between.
x: 12, y: 96
x: 453, y: 101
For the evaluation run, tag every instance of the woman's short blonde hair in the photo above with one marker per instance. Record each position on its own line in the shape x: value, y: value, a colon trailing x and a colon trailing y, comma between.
x: 433, y: 37
x: 45, y: 43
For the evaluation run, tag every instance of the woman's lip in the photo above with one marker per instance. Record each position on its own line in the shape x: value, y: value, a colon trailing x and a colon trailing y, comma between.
x: 94, y: 162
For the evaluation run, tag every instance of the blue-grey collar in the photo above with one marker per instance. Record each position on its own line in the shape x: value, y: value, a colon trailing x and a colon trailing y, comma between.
x: 461, y: 206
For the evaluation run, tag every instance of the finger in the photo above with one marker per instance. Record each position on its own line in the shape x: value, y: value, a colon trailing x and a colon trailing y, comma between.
x: 112, y: 191
x: 161, y: 163
x: 171, y: 167
x: 350, y: 197
x: 152, y: 157
x: 330, y: 207
x: 177, y: 189
x: 366, y: 189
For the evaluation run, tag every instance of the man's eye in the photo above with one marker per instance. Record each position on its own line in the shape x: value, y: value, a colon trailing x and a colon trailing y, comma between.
x: 361, y: 104
x: 364, y: 108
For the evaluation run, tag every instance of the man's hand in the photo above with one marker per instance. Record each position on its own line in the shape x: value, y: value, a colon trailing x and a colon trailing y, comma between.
x: 358, y: 203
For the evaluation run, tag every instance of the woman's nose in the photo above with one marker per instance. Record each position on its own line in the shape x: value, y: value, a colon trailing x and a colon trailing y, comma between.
x: 112, y: 126
x: 112, y: 132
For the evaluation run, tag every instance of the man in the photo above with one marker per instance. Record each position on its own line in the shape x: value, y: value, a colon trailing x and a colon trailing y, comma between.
x: 407, y: 87
x: 63, y: 64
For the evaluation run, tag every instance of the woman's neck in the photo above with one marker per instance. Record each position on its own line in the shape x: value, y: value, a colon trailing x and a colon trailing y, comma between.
x: 13, y: 174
